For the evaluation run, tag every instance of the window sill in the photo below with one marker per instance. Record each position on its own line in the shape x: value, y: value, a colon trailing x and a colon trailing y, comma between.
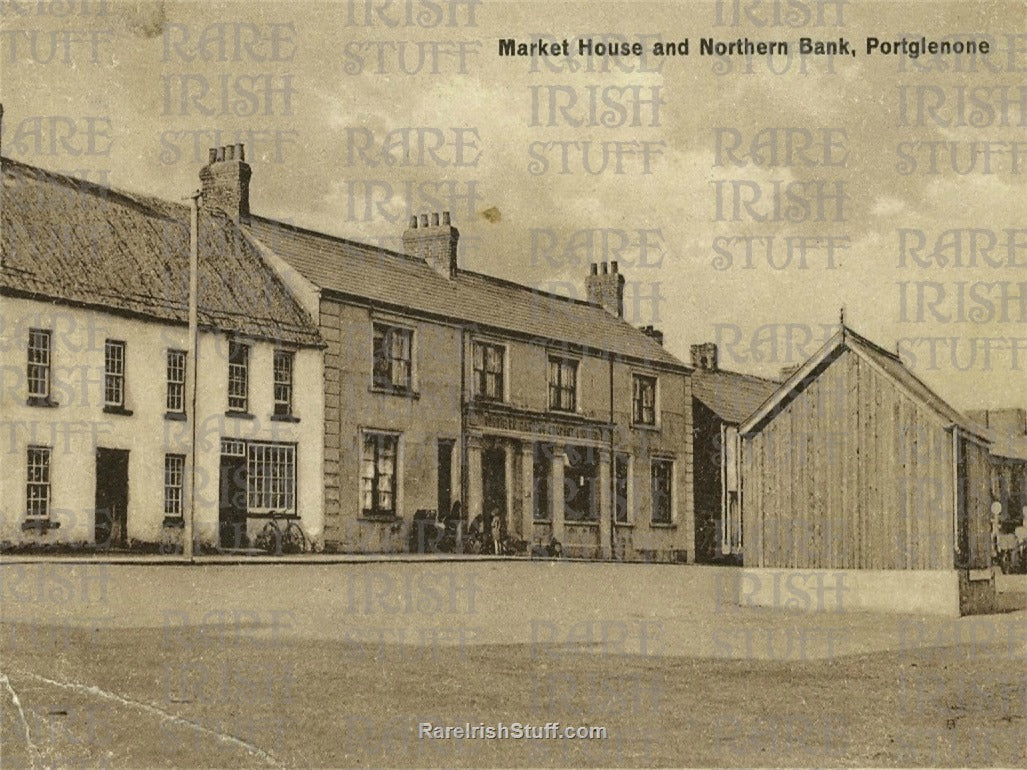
x: 44, y: 401
x: 175, y: 416
x: 404, y: 392
x: 39, y: 525
x: 109, y: 409
x: 663, y: 525
x: 379, y: 519
x: 569, y: 412
x: 626, y: 524
x: 653, y: 427
x: 240, y: 415
x: 541, y: 521
x: 284, y: 418
x: 173, y: 522
x: 580, y: 523
x: 274, y: 516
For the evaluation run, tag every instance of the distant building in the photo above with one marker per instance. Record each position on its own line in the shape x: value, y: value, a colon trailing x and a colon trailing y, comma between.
x: 721, y: 400
x: 855, y: 469
x: 98, y: 406
x: 1007, y: 429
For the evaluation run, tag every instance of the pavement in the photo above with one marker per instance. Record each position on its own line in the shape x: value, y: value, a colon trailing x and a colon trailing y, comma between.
x: 645, y: 609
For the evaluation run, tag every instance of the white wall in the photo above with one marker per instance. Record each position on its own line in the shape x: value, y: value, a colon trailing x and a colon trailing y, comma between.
x: 78, y: 425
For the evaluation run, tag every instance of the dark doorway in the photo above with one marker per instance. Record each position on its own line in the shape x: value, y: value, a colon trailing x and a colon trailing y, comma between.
x: 445, y: 496
x: 232, y: 503
x: 493, y: 481
x: 111, y: 523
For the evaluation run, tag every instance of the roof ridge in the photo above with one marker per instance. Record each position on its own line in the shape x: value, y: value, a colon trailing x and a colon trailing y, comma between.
x: 337, y: 238
x: 141, y: 201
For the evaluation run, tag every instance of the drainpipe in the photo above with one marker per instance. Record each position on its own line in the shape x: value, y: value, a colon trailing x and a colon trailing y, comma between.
x: 955, y: 495
x: 613, y: 475
x: 194, y: 216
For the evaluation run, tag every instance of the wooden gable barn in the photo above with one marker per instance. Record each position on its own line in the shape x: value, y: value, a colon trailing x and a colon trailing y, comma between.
x: 854, y: 464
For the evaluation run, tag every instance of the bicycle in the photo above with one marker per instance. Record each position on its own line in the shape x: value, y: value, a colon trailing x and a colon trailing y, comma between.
x: 276, y: 541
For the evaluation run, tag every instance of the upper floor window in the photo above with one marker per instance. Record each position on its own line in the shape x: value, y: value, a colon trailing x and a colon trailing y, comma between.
x: 39, y: 365
x: 488, y: 371
x: 643, y: 400
x: 175, y: 402
x: 662, y: 490
x: 37, y: 492
x: 283, y: 365
x: 114, y: 374
x: 378, y: 474
x: 392, y: 353
x: 238, y: 377
x: 563, y: 384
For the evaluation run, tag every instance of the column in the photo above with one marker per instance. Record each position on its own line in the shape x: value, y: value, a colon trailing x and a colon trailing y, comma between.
x: 556, y: 491
x: 474, y: 490
x: 605, y: 505
x: 527, y: 491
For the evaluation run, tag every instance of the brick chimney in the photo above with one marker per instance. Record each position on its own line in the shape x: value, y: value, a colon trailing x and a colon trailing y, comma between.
x: 225, y: 182
x: 434, y: 241
x: 605, y: 287
x: 704, y: 356
x: 652, y: 331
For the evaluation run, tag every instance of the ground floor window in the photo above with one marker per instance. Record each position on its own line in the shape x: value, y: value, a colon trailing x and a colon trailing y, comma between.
x: 37, y: 492
x: 662, y: 487
x: 271, y: 478
x: 581, y: 484
x: 378, y: 473
x: 174, y: 475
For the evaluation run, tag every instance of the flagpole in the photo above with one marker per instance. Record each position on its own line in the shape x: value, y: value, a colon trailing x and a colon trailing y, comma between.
x: 192, y: 366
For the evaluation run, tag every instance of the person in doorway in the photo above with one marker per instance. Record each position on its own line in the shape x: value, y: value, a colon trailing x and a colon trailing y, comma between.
x: 496, y: 532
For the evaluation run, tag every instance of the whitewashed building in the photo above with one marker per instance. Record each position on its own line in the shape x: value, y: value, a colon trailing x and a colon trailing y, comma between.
x: 96, y: 390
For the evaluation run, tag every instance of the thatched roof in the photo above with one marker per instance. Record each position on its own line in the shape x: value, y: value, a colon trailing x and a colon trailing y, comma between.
x: 69, y: 241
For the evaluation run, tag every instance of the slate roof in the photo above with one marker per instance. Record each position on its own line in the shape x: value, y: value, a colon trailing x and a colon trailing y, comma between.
x: 403, y: 282
x: 889, y: 362
x: 66, y: 240
x: 732, y: 396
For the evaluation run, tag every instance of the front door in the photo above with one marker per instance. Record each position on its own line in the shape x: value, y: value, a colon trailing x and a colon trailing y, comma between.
x: 232, y: 503
x: 111, y: 523
x: 445, y: 481
x: 493, y: 483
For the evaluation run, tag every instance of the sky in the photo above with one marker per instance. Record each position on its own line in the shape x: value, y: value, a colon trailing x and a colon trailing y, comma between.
x: 889, y: 188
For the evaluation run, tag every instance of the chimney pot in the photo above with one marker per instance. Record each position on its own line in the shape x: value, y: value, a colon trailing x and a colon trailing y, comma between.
x: 613, y: 267
x: 226, y: 186
x: 413, y: 222
x: 240, y: 151
x: 594, y: 268
x: 605, y: 268
x: 424, y: 220
x: 445, y: 217
x: 435, y: 219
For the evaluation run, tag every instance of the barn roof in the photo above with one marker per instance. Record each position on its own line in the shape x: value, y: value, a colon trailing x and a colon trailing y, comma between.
x: 394, y: 280
x: 70, y: 241
x: 888, y: 363
x: 732, y: 396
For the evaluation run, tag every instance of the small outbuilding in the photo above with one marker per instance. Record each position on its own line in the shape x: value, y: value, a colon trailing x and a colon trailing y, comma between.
x: 860, y: 476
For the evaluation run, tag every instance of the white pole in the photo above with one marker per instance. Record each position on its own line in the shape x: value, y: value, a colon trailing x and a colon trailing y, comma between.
x: 192, y: 366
